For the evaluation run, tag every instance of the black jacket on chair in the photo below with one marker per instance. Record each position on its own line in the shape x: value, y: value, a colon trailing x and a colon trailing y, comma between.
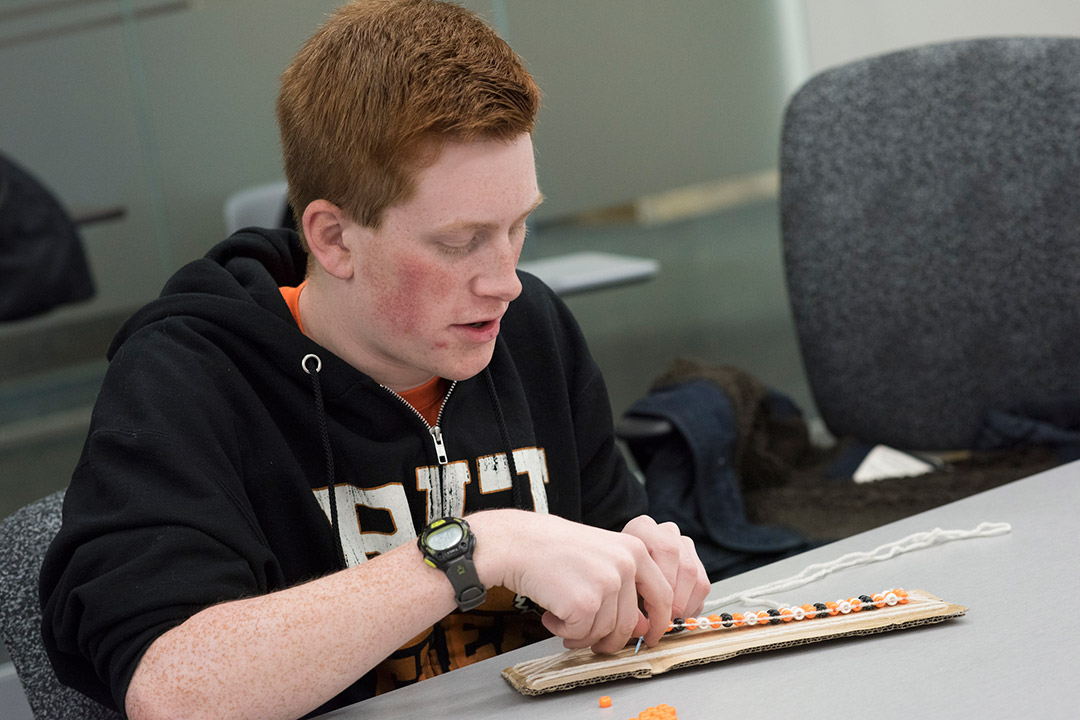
x: 42, y: 264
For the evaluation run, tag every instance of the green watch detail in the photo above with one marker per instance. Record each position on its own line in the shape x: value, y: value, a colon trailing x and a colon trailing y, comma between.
x: 447, y: 544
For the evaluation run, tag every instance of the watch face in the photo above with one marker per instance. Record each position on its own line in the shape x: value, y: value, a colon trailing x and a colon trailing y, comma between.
x: 445, y: 537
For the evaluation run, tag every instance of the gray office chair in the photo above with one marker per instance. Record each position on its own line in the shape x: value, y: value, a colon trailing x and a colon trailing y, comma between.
x: 930, y: 211
x: 24, y: 537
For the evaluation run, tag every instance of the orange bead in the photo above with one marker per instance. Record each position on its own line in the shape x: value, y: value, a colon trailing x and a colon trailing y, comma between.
x: 605, y: 701
x: 902, y: 594
x: 833, y: 608
x: 691, y: 623
x: 856, y: 604
x: 715, y: 621
x: 739, y: 619
x: 879, y: 600
x: 786, y: 615
x: 810, y: 610
x: 763, y: 617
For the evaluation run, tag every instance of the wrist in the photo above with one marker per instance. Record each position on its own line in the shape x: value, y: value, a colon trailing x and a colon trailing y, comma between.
x: 495, y: 543
x: 447, y: 544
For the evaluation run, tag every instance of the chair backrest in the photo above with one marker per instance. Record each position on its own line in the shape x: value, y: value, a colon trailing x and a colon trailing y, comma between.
x: 24, y: 537
x: 259, y: 206
x: 930, y: 211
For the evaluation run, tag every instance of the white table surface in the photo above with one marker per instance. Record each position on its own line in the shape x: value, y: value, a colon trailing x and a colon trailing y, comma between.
x: 1014, y: 655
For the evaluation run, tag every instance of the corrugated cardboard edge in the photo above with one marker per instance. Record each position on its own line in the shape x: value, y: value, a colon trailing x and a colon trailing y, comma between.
x: 739, y: 642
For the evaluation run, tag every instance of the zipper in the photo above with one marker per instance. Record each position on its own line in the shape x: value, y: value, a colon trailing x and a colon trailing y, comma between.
x: 435, y: 431
x: 440, y: 449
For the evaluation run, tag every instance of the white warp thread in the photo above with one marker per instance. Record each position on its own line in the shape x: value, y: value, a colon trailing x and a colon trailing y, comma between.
x: 918, y: 541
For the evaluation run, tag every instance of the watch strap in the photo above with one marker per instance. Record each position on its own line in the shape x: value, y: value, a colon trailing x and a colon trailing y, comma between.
x: 456, y: 562
x: 468, y: 590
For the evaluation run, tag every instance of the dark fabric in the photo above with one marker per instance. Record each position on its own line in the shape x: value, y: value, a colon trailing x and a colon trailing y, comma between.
x: 24, y: 536
x: 767, y: 473
x: 932, y: 236
x: 692, y: 475
x: 42, y: 263
x: 1050, y: 422
x: 198, y: 482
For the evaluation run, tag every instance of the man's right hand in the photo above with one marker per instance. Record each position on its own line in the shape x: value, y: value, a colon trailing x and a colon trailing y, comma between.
x: 589, y: 580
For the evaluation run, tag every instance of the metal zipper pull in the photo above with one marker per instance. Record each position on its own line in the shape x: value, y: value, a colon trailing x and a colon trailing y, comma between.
x: 440, y: 449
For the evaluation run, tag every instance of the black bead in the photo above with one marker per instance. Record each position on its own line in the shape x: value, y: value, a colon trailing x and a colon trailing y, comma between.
x: 868, y: 602
x: 774, y: 616
x: 728, y: 620
x: 678, y: 625
x: 822, y: 609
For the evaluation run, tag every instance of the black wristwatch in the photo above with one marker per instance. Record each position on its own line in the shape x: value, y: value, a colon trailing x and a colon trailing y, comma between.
x: 447, y: 544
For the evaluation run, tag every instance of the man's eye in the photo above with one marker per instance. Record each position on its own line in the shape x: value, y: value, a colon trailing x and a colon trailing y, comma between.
x: 459, y: 248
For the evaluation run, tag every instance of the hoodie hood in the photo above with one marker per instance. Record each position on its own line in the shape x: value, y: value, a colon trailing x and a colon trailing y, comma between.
x: 245, y: 270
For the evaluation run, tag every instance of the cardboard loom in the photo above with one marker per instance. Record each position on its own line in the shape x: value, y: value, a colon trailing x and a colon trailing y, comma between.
x: 575, y: 668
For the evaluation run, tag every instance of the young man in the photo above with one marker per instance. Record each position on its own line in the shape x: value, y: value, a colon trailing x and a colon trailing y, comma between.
x: 279, y: 428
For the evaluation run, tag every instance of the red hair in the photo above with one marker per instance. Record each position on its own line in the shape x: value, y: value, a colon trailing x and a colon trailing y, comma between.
x: 371, y: 96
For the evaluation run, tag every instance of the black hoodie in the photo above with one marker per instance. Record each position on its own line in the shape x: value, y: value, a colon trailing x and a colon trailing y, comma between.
x: 204, y: 475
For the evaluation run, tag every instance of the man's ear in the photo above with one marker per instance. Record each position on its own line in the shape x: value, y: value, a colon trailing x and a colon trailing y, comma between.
x: 324, y: 229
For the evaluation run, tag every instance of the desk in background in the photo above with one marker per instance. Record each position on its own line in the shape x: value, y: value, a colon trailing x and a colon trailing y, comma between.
x: 1015, y: 654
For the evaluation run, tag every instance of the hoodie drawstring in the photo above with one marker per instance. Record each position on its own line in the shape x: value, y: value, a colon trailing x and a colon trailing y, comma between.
x: 312, y: 364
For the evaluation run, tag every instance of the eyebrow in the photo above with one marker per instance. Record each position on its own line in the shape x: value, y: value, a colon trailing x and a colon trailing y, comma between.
x: 466, y: 225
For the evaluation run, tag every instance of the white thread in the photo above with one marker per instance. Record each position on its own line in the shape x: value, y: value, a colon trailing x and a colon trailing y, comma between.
x: 917, y: 541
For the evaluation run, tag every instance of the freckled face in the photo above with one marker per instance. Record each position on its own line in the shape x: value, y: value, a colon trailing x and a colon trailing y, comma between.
x: 432, y: 283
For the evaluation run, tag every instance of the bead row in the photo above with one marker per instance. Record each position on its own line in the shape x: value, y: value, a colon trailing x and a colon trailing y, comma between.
x: 784, y: 614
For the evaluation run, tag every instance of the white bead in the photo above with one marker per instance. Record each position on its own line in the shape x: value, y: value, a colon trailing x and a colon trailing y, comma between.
x: 891, y: 599
x: 798, y: 613
x: 844, y: 606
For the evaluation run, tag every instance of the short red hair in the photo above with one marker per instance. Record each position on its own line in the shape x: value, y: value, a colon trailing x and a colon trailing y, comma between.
x: 370, y: 97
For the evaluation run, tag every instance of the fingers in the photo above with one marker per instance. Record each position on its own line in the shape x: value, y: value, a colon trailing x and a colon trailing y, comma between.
x: 692, y: 586
x: 589, y: 579
x: 678, y: 560
x: 698, y: 580
x: 656, y: 598
x: 600, y: 610
x: 614, y: 625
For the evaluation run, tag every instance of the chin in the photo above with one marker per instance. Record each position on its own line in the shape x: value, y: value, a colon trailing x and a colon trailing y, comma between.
x: 467, y: 367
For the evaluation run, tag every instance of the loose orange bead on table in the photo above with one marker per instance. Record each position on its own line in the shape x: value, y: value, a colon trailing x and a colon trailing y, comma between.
x: 605, y: 701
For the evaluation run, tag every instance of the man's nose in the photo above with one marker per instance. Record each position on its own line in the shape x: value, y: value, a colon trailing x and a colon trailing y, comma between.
x: 498, y: 278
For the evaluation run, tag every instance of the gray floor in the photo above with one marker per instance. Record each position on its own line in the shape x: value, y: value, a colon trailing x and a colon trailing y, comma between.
x: 719, y: 297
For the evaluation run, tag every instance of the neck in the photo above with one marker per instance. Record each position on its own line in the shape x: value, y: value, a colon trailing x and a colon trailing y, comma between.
x: 323, y: 324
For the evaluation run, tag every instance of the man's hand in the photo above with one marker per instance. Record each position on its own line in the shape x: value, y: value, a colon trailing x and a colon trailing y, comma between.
x: 590, y: 580
x: 678, y: 560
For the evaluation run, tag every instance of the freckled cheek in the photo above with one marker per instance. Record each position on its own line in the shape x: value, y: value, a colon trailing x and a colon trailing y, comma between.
x: 412, y: 299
